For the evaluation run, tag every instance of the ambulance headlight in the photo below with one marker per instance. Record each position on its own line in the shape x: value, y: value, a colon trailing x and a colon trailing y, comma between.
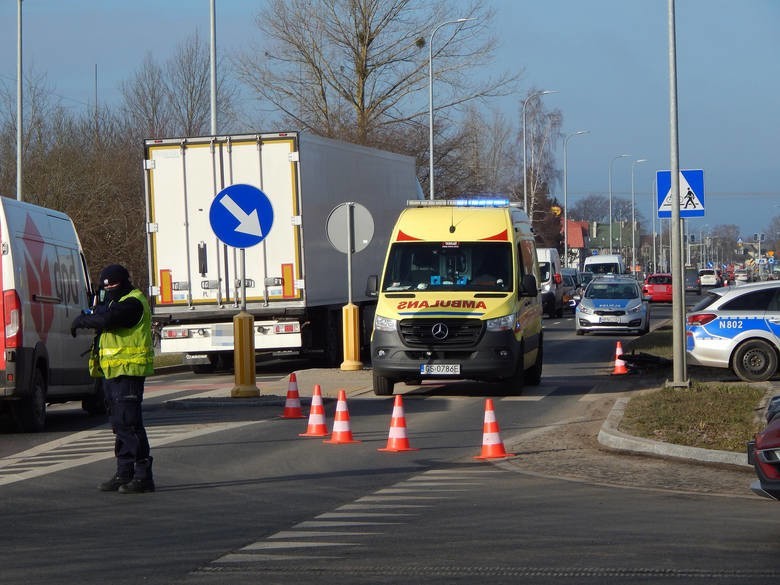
x: 384, y: 323
x: 505, y: 323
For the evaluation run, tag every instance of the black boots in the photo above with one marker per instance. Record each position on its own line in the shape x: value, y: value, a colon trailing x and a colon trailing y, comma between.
x: 114, y: 483
x: 140, y: 483
x: 137, y: 486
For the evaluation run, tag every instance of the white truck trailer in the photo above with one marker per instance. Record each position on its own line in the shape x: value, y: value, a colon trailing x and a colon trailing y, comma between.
x: 295, y: 281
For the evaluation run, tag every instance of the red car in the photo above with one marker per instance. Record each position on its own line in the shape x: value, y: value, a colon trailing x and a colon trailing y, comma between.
x: 658, y: 287
x: 764, y: 454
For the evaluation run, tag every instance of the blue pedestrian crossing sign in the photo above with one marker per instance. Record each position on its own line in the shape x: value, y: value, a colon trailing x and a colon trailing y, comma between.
x: 241, y: 215
x: 691, y: 193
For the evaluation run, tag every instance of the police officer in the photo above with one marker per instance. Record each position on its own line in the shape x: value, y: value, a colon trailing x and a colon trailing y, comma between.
x: 125, y: 358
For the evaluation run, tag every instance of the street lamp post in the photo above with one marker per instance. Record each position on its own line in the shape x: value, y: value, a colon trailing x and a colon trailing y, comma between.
x: 430, y: 98
x: 566, y: 195
x: 633, y: 215
x: 525, y: 149
x: 610, y: 197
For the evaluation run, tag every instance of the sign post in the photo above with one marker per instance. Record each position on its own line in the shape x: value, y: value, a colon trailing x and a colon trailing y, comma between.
x: 350, y: 229
x: 241, y: 217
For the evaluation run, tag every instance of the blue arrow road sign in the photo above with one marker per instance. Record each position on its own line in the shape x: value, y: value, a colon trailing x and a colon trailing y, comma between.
x: 691, y: 193
x: 241, y: 215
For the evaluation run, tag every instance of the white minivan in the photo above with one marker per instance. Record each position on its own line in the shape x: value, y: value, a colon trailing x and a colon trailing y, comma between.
x: 551, y: 281
x: 45, y: 284
x: 605, y: 264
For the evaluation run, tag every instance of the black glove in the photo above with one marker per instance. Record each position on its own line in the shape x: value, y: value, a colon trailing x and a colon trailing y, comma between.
x: 76, y: 325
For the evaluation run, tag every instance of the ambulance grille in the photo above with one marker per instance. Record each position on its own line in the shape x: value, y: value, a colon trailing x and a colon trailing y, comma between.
x: 420, y: 332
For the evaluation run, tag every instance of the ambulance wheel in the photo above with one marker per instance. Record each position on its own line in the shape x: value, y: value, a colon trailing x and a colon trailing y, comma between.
x: 755, y: 361
x: 533, y: 375
x: 30, y: 413
x: 383, y: 386
x: 513, y: 385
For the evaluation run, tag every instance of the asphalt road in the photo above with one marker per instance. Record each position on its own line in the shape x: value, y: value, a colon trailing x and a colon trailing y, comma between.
x: 242, y: 498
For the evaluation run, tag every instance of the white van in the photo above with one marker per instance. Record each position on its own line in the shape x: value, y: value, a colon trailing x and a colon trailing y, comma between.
x: 45, y: 284
x: 605, y: 264
x: 551, y: 281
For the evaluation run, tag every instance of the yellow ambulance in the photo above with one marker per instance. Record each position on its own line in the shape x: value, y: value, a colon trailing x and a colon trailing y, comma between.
x: 458, y: 297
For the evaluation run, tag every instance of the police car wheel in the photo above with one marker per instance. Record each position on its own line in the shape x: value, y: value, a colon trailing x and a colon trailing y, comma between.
x: 755, y: 361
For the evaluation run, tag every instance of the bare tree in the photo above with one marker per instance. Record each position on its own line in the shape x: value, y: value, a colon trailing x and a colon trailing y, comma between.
x: 146, y: 101
x: 590, y: 208
x: 175, y: 98
x: 354, y: 69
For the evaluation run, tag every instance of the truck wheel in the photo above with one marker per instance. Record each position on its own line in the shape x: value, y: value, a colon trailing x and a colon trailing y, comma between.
x: 96, y: 404
x: 755, y: 361
x: 383, y: 386
x: 30, y: 413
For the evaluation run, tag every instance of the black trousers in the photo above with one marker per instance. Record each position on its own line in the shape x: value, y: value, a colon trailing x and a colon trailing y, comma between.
x: 131, y: 445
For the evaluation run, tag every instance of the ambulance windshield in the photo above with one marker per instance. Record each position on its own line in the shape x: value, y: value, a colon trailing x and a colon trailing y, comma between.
x: 455, y: 266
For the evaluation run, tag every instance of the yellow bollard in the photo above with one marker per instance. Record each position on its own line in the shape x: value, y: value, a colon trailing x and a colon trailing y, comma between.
x: 244, y: 356
x: 350, y: 322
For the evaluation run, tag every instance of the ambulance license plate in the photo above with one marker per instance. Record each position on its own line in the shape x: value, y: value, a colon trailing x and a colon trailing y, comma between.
x: 439, y: 369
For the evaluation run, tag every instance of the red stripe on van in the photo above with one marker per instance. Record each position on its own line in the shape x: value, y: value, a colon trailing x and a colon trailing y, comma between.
x: 500, y: 237
x: 402, y: 237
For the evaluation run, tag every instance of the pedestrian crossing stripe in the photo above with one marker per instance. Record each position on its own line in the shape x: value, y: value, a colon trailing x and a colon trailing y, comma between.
x: 691, y: 193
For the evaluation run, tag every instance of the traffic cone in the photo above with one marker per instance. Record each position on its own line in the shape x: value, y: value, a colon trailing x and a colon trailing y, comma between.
x: 620, y: 365
x: 316, y: 426
x: 396, y: 439
x: 292, y: 406
x: 341, y: 431
x: 492, y: 445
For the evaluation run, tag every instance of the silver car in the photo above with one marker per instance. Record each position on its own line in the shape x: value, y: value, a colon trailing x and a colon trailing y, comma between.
x: 614, y: 304
x: 737, y: 328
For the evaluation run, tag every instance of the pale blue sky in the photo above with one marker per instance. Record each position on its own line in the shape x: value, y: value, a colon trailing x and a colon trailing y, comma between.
x: 607, y: 58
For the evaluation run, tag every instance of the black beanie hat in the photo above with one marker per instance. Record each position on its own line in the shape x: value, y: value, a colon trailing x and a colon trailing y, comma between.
x: 114, y: 274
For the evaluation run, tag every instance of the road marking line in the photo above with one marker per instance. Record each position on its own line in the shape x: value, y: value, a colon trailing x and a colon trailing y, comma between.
x: 43, y: 459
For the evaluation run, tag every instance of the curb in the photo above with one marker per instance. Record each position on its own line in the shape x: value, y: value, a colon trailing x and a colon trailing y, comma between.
x: 610, y: 437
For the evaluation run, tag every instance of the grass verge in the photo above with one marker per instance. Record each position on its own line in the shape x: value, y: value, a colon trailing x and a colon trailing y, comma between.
x: 710, y: 415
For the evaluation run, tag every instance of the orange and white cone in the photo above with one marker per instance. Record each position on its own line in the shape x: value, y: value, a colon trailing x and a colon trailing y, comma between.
x: 397, y: 439
x: 292, y: 406
x: 492, y: 445
x: 341, y: 431
x: 620, y: 365
x: 316, y: 426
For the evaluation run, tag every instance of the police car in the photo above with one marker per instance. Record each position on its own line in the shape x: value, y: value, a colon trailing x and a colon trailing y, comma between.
x: 737, y: 328
x: 612, y: 303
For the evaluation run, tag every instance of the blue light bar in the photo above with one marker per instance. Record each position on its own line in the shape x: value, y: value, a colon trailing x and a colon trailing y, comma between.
x: 467, y: 202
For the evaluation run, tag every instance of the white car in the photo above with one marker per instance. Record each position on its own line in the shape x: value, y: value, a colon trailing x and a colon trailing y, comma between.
x: 612, y: 304
x: 741, y: 276
x: 708, y: 277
